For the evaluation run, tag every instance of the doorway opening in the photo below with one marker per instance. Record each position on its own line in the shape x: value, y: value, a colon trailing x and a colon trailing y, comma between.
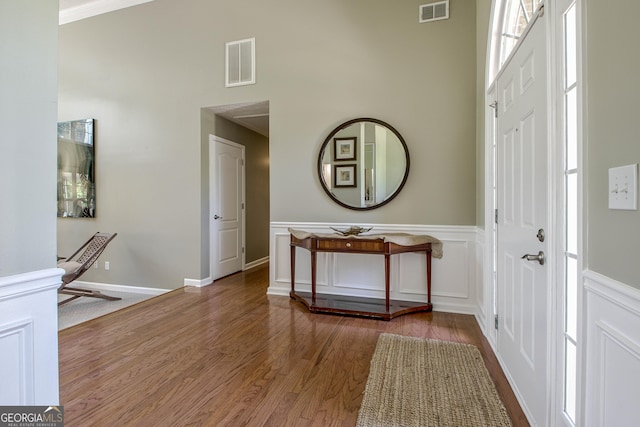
x: 246, y: 125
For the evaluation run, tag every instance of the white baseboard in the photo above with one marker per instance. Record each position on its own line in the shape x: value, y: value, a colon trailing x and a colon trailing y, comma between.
x: 278, y: 291
x: 256, y: 263
x: 198, y: 283
x: 120, y: 288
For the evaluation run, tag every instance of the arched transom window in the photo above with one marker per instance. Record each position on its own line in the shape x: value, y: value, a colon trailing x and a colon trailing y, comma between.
x: 517, y: 14
x: 509, y: 21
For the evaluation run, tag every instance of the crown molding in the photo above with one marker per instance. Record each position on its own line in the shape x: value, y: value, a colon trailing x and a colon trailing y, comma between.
x: 94, y: 7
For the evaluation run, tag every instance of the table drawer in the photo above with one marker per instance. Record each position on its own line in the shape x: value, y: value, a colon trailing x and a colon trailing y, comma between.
x: 351, y: 245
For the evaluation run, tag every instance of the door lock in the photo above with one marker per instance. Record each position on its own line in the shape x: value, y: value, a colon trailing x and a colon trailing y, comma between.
x: 539, y: 257
x: 217, y: 217
x: 540, y: 235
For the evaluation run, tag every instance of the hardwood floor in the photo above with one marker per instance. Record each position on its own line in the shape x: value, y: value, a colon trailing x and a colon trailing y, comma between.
x: 229, y: 355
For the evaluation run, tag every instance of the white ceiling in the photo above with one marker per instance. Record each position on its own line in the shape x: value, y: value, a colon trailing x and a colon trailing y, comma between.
x: 254, y: 116
x: 74, y: 10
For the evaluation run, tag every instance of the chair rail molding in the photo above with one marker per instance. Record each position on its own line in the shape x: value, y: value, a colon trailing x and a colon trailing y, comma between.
x: 454, y: 277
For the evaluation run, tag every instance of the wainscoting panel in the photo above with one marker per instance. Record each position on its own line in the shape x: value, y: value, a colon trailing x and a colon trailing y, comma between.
x: 453, y: 276
x: 280, y: 265
x: 16, y: 346
x: 303, y: 269
x: 359, y: 272
x: 29, y: 338
x: 612, y: 352
x: 410, y: 274
x: 482, y: 295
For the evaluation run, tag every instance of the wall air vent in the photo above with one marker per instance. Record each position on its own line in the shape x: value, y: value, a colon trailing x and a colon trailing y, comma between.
x: 241, y: 62
x: 434, y: 11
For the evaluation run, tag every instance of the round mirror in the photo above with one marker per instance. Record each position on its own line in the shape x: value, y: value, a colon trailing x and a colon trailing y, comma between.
x: 363, y: 164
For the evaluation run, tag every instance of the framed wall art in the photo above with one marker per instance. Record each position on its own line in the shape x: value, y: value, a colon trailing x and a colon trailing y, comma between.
x: 344, y: 176
x: 344, y: 148
x: 76, y: 169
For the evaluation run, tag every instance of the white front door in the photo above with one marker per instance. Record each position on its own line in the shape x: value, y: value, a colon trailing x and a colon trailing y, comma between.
x: 523, y: 210
x: 226, y: 181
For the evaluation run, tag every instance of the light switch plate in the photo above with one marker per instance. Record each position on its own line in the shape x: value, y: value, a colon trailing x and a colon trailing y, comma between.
x: 623, y: 187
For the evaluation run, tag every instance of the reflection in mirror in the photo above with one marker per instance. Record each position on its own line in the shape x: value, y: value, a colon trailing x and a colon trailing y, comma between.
x: 76, y: 169
x: 363, y: 164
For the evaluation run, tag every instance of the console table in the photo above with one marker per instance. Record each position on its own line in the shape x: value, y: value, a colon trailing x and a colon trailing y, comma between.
x: 381, y: 244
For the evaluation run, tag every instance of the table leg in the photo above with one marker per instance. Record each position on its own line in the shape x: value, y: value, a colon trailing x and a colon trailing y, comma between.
x: 313, y: 278
x: 429, y: 277
x: 387, y: 268
x: 293, y: 270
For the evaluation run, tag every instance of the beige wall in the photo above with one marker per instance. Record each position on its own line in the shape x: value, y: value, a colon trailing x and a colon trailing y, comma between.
x: 612, y: 136
x: 145, y: 72
x: 28, y: 104
x: 375, y: 60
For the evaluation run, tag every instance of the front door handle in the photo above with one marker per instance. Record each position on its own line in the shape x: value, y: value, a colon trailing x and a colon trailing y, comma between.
x: 539, y: 257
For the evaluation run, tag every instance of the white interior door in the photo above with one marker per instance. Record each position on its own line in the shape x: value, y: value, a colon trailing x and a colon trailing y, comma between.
x: 523, y: 205
x: 226, y: 175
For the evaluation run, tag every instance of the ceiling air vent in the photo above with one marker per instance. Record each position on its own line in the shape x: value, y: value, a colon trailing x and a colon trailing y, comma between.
x: 434, y: 11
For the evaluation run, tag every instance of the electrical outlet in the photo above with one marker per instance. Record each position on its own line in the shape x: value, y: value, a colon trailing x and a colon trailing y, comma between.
x: 95, y: 264
x: 623, y: 187
x: 106, y: 265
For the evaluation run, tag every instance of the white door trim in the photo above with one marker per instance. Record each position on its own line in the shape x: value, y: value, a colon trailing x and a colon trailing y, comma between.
x: 489, y: 198
x: 557, y: 10
x: 213, y: 140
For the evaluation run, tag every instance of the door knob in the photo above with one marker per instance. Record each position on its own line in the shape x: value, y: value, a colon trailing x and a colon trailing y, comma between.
x: 217, y: 217
x: 539, y: 257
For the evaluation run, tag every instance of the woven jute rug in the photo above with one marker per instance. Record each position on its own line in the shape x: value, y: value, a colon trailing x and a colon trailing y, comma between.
x: 421, y: 382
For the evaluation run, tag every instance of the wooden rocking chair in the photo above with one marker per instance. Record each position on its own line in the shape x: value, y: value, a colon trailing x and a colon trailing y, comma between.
x: 75, y: 266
